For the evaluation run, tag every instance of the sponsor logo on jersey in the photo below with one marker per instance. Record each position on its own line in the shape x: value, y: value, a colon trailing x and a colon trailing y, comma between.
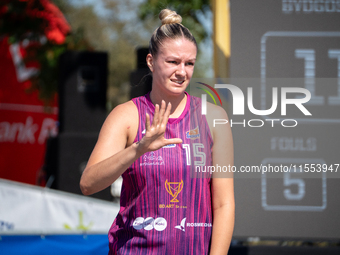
x: 152, y: 160
x: 174, y: 188
x: 172, y: 206
x: 150, y: 223
x: 170, y: 146
x: 193, y: 133
x: 184, y: 225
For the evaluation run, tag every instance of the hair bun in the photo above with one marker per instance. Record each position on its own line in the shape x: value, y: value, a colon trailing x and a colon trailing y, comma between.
x: 169, y: 17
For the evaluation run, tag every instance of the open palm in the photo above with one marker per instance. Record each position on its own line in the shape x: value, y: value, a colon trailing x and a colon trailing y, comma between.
x: 154, y: 134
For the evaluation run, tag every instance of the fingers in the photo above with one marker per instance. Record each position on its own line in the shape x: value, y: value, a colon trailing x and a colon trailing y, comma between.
x: 147, y: 123
x: 154, y: 136
x: 155, y: 116
x: 161, y: 115
x: 166, y: 114
x: 161, y: 112
x: 173, y: 141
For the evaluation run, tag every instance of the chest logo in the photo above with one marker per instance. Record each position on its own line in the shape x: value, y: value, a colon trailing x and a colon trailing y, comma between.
x: 182, y: 225
x: 174, y: 188
x: 152, y: 160
x: 193, y: 133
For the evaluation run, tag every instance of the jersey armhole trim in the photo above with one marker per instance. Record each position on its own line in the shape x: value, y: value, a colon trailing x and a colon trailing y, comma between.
x: 139, y: 120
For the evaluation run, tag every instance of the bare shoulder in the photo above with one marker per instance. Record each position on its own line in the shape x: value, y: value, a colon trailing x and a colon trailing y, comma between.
x: 122, y: 116
x: 215, y: 111
x: 123, y: 121
x: 117, y: 132
x: 216, y: 115
x: 223, y: 148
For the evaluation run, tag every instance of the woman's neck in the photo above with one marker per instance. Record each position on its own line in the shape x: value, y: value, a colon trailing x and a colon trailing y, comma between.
x: 178, y: 103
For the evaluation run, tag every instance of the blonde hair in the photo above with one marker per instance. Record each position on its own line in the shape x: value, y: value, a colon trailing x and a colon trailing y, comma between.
x: 171, y: 28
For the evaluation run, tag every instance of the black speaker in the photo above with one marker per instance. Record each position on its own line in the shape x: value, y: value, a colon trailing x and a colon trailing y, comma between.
x: 74, y: 150
x: 51, y: 161
x: 142, y: 52
x: 82, y: 91
x: 140, y: 79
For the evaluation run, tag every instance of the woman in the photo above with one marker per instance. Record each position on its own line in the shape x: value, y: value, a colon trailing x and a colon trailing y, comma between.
x: 152, y: 141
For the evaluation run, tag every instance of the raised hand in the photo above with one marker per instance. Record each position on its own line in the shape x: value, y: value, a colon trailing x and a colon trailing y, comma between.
x: 154, y: 133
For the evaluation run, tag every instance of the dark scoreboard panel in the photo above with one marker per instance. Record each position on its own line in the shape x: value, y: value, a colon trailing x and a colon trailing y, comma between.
x: 278, y: 44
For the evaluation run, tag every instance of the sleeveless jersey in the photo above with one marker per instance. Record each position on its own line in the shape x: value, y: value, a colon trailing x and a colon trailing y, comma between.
x: 164, y: 207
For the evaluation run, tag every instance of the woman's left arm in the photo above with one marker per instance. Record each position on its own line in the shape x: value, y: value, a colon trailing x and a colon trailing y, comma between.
x: 222, y: 184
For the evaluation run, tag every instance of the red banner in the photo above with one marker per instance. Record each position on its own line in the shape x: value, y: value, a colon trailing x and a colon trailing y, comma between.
x: 24, y: 121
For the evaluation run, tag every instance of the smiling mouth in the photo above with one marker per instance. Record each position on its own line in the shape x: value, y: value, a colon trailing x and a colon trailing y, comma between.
x: 178, y: 82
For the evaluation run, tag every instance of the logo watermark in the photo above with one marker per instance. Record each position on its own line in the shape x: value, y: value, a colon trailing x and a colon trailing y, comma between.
x: 239, y: 104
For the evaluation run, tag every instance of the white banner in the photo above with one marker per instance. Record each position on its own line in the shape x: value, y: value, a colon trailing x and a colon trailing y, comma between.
x: 31, y: 209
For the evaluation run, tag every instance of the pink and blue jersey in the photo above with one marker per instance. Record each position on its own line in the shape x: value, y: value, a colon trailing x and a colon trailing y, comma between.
x: 163, y: 209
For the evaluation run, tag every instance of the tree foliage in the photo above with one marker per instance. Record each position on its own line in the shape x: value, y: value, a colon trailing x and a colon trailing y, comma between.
x: 126, y: 25
x: 46, y: 33
x: 109, y: 33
